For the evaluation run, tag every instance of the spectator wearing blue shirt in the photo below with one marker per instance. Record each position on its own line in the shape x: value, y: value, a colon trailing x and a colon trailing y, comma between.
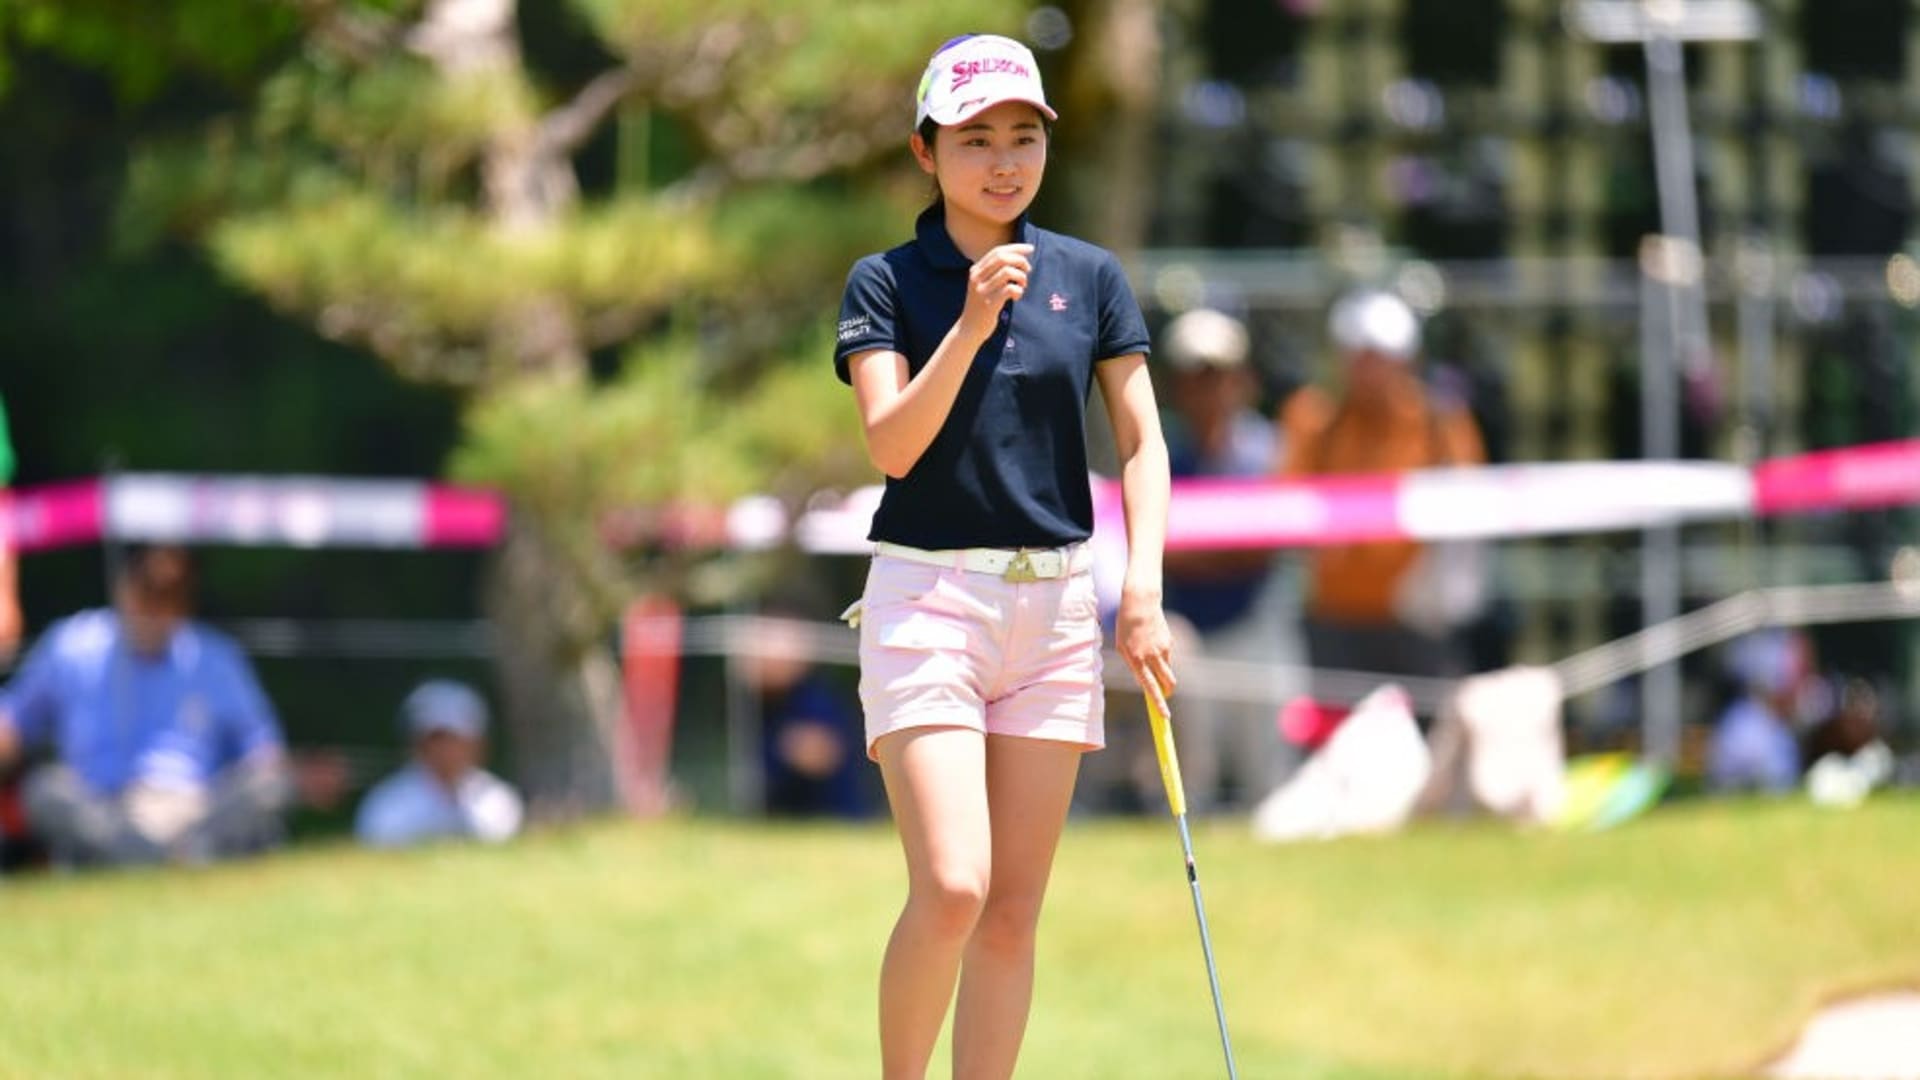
x: 1755, y: 745
x: 1235, y: 602
x: 162, y: 745
x: 811, y: 741
x: 443, y: 794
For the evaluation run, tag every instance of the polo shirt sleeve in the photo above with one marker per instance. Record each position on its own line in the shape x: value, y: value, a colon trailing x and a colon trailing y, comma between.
x: 869, y: 313
x: 248, y: 722
x: 30, y: 704
x: 1123, y: 330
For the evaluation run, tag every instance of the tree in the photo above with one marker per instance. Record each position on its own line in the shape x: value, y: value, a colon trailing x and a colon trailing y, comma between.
x: 141, y: 48
x: 429, y: 181
x: 1108, y: 86
x: 408, y: 181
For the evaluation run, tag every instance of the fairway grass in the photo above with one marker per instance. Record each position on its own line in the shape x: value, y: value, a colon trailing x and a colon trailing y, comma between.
x: 1692, y: 943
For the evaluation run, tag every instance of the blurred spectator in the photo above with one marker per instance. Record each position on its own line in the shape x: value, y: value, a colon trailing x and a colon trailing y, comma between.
x: 16, y: 844
x: 163, y: 746
x: 10, y: 624
x: 1845, y: 756
x: 443, y: 793
x: 1460, y: 369
x: 1389, y: 608
x: 1754, y: 746
x: 1230, y: 750
x: 812, y: 740
x: 1853, y: 725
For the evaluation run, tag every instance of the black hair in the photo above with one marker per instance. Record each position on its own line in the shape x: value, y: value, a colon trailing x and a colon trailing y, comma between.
x: 928, y: 129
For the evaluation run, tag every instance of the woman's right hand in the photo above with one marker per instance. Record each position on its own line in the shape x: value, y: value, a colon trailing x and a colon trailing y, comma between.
x: 998, y: 278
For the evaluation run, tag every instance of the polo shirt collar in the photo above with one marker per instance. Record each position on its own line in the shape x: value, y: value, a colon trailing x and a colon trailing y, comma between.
x: 931, y: 232
x: 183, y: 648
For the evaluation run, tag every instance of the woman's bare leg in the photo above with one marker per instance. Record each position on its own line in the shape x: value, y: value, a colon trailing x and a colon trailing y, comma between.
x: 936, y: 782
x: 1029, y: 784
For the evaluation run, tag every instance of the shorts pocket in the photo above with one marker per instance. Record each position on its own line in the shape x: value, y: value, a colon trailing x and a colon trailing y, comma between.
x: 894, y: 583
x: 1080, y: 600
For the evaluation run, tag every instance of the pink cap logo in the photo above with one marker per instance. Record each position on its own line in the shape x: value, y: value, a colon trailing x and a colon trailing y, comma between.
x: 965, y: 70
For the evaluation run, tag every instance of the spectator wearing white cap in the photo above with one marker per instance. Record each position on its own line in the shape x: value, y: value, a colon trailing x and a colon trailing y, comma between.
x: 1363, y: 598
x: 443, y: 793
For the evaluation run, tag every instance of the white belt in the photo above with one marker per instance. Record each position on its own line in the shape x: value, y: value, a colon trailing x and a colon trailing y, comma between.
x: 1024, y: 565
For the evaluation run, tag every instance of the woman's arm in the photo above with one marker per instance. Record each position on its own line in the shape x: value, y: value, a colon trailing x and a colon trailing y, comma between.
x: 1141, y: 634
x: 901, y: 415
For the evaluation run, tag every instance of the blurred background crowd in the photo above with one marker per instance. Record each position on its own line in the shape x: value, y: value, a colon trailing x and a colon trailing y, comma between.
x: 586, y: 256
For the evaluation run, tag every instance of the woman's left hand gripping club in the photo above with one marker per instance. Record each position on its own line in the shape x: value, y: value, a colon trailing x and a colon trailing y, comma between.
x: 1145, y: 643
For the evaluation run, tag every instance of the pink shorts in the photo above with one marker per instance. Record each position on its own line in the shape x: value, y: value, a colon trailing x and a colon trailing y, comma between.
x: 943, y: 647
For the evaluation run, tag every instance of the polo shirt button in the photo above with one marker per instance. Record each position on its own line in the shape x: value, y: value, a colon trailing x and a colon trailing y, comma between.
x: 1005, y: 314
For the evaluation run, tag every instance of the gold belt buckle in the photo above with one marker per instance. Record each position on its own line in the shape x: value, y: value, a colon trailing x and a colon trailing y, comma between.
x: 1020, y: 569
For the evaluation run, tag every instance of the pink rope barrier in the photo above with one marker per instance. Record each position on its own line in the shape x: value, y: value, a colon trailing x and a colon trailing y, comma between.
x: 1492, y: 502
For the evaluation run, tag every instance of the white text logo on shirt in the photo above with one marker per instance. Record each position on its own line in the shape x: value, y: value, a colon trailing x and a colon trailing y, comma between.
x: 854, y: 327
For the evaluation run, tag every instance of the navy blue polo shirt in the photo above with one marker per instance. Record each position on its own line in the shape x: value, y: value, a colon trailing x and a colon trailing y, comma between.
x: 1009, y: 467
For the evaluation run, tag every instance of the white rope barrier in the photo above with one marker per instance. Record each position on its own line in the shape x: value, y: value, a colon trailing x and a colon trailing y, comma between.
x: 1239, y: 681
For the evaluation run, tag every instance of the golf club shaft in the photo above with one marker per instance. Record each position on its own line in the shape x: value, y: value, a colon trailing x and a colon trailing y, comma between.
x: 1206, y: 946
x: 1177, y: 802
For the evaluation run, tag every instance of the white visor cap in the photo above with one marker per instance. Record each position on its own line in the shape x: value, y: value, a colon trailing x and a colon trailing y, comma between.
x: 1375, y: 321
x: 973, y: 74
x: 1203, y: 338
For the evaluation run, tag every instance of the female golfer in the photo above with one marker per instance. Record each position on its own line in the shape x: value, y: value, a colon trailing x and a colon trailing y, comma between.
x: 971, y: 349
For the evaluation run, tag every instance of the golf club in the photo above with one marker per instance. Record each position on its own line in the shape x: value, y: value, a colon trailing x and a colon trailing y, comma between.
x: 1177, y: 802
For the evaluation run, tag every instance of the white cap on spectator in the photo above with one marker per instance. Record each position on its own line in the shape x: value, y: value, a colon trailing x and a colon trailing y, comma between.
x: 444, y: 705
x: 1204, y: 337
x: 1375, y: 321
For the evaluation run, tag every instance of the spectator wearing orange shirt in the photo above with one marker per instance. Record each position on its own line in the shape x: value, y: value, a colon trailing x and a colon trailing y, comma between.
x: 1384, y: 419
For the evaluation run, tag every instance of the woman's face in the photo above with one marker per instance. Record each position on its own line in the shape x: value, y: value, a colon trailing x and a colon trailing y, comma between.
x: 989, y: 166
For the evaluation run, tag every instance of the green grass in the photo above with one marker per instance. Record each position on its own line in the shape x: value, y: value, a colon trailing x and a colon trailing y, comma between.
x: 1691, y: 943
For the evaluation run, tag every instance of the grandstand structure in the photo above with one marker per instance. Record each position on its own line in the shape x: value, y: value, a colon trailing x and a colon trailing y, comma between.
x: 1498, y: 169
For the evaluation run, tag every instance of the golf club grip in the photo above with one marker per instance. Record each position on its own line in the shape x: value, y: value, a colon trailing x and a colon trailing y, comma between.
x: 1169, y: 760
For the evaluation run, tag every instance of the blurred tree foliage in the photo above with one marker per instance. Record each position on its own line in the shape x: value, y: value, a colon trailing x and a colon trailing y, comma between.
x: 144, y: 356
x: 140, y: 354
x: 143, y: 48
x: 600, y: 240
x: 614, y: 229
